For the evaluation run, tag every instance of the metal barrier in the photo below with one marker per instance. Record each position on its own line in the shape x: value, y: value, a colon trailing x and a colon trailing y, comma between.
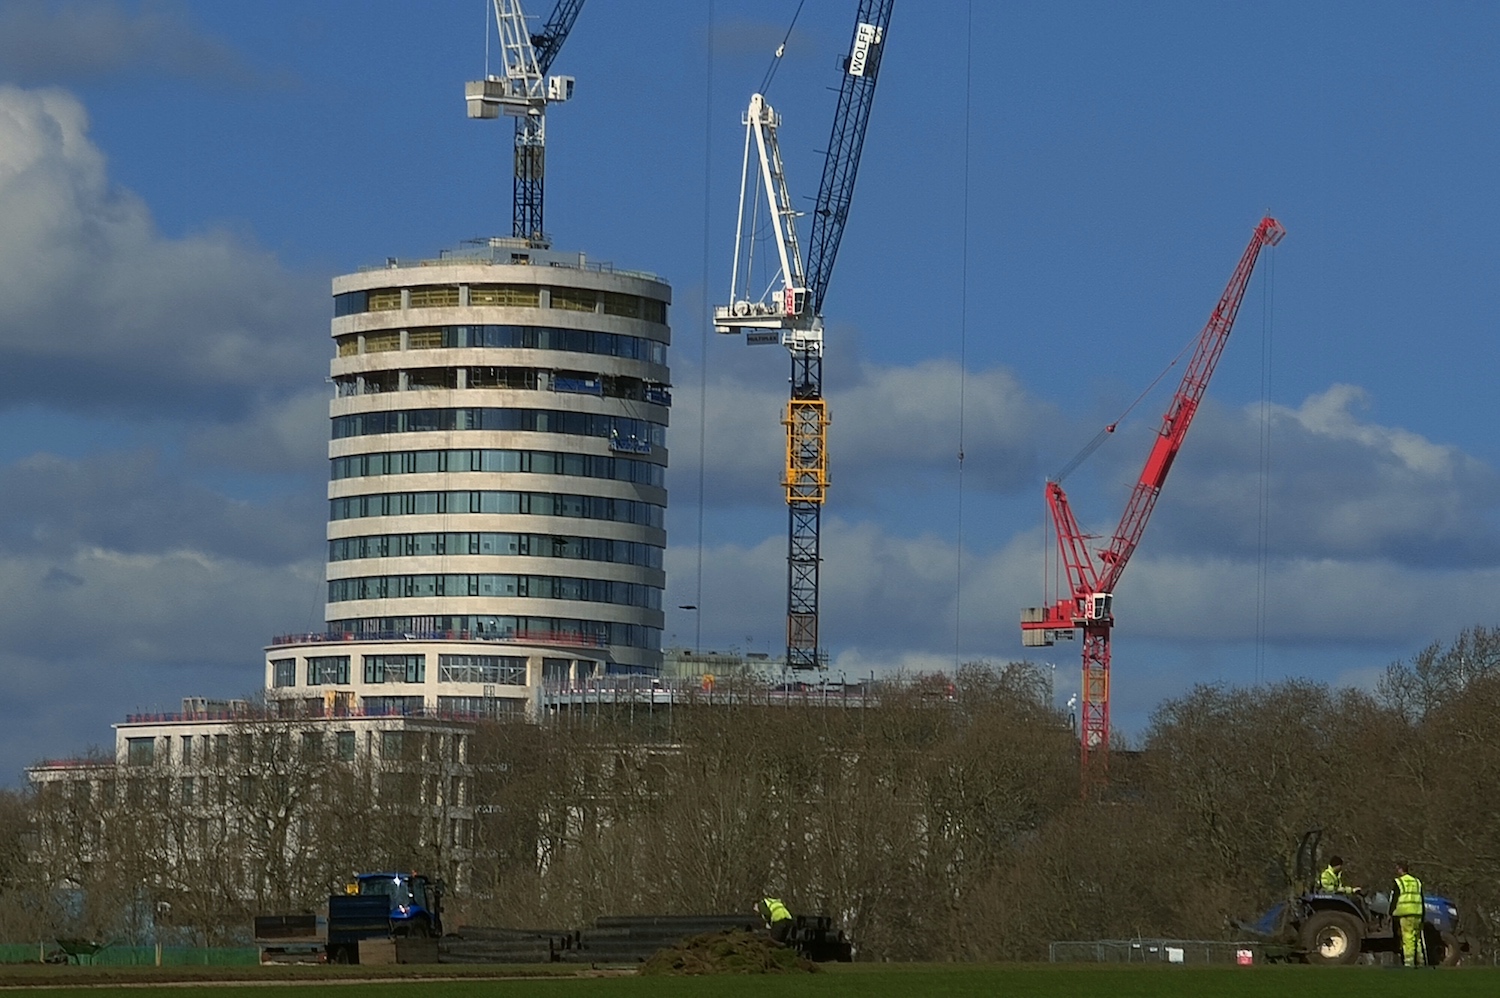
x: 1185, y: 951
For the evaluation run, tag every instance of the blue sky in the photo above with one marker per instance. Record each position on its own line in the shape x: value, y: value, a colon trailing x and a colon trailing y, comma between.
x: 179, y: 181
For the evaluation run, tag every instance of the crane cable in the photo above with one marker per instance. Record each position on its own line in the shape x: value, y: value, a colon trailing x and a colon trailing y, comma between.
x: 765, y: 83
x: 1103, y: 434
x: 707, y: 320
x: 1263, y: 524
x: 963, y: 343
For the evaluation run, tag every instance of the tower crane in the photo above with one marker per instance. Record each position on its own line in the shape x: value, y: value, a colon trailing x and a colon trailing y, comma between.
x: 1092, y: 578
x: 789, y: 308
x: 523, y: 92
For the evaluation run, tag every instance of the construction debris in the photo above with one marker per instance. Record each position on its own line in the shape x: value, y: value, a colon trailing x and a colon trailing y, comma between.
x: 733, y: 952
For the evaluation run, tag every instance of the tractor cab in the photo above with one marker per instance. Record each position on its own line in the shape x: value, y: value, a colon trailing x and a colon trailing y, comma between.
x: 414, y: 901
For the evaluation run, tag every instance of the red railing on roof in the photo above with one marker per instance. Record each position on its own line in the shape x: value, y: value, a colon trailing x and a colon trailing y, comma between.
x: 569, y: 638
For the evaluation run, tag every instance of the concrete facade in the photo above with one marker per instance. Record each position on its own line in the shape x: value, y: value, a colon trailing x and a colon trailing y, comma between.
x: 497, y: 484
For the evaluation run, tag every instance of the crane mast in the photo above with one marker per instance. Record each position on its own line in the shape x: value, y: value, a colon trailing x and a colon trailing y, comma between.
x: 1089, y: 604
x: 523, y: 92
x: 790, y: 308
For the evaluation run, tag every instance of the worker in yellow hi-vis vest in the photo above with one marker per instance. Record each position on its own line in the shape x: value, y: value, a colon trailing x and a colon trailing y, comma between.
x: 778, y: 917
x: 1331, y: 880
x: 1406, y: 908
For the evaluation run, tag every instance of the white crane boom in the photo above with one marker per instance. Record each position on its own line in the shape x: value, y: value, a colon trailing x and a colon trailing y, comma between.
x: 787, y: 311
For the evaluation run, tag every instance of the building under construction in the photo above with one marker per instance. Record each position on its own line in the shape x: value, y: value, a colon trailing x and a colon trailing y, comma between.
x: 497, y: 483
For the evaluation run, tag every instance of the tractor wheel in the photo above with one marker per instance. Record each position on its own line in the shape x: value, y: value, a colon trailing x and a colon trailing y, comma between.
x: 1332, y: 937
x: 1443, y: 949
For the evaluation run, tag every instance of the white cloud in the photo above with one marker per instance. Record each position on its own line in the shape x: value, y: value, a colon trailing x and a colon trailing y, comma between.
x: 1378, y: 536
x: 101, y: 314
x: 893, y: 429
x: 1309, y: 600
x: 1331, y: 414
x: 171, y: 608
x: 132, y: 504
x: 884, y: 598
x: 276, y: 437
x: 1339, y: 487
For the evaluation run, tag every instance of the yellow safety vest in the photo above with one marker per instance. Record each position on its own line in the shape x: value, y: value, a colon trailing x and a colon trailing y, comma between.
x: 1332, y: 881
x: 775, y: 910
x: 1408, y: 897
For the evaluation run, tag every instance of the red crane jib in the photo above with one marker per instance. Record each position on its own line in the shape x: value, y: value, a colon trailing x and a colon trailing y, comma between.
x: 1179, y: 416
x: 1091, y: 604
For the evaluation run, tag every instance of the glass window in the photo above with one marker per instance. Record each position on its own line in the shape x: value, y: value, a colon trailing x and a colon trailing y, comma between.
x: 536, y: 337
x: 221, y: 749
x: 618, y: 304
x: 392, y: 706
x: 424, y: 339
x: 391, y: 744
x: 509, y: 670
x: 347, y: 346
x: 574, y: 299
x: 555, y: 670
x: 653, y: 310
x: 351, y: 303
x: 396, y: 668
x: 312, y: 744
x: 428, y: 378
x: 284, y: 672
x: 345, y: 747
x: 491, y: 707
x: 187, y: 791
x: 187, y: 750
x: 332, y: 669
x: 140, y: 751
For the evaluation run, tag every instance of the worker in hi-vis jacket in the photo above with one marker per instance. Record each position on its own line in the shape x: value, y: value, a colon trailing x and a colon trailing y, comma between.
x: 778, y: 917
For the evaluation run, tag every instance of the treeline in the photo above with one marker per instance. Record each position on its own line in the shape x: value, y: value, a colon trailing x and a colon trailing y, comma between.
x: 945, y: 823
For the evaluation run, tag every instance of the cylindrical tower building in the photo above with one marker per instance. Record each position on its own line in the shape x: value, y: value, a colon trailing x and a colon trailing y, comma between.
x: 497, y: 484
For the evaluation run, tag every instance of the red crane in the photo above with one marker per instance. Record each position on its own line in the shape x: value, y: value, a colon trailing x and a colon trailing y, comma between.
x: 1089, y: 603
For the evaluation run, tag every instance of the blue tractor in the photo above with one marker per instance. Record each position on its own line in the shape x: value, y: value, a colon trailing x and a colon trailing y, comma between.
x: 415, y: 903
x: 1320, y: 927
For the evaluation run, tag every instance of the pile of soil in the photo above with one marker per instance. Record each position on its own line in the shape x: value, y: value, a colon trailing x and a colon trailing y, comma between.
x: 734, y: 952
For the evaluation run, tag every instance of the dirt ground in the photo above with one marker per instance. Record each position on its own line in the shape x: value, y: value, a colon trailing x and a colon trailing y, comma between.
x: 734, y: 952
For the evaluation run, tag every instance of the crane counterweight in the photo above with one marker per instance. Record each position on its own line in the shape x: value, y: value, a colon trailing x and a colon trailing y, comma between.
x: 523, y: 92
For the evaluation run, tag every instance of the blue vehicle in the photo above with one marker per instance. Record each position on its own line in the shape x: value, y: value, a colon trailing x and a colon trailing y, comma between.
x: 414, y: 902
x: 372, y: 906
x: 1328, y: 928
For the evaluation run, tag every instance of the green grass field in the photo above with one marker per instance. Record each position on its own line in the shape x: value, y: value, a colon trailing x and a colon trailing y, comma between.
x: 896, y: 981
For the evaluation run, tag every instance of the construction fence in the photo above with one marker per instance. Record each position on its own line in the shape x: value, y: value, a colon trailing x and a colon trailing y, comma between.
x: 130, y: 956
x: 1194, y: 951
